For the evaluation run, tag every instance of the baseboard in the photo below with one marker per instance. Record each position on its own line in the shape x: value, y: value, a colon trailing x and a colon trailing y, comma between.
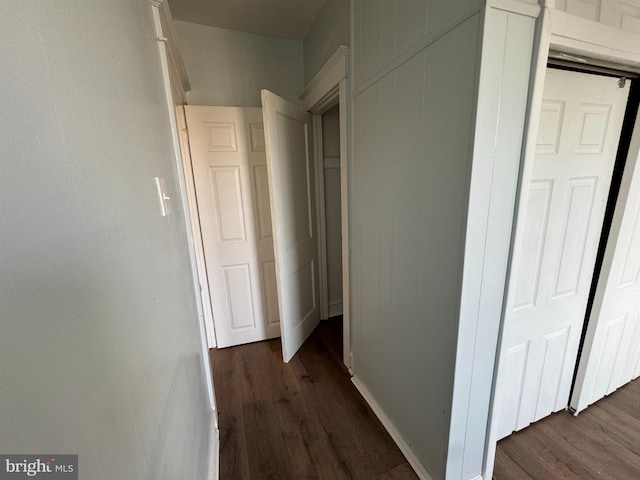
x: 335, y: 309
x: 214, y: 450
x: 411, y: 457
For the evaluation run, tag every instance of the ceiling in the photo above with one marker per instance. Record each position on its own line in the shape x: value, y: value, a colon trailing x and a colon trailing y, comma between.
x: 274, y: 18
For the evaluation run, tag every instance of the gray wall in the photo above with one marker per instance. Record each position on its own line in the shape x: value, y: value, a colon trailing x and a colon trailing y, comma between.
x: 229, y: 68
x: 413, y: 140
x: 100, y: 350
x: 329, y: 30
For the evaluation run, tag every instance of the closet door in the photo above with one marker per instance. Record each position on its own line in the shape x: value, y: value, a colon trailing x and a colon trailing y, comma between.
x: 555, y: 250
x: 611, y: 352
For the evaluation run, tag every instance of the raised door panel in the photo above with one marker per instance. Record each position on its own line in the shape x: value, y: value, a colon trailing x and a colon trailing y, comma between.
x: 238, y: 290
x: 263, y: 211
x: 221, y: 136
x: 226, y: 189
x: 530, y: 261
x: 576, y: 234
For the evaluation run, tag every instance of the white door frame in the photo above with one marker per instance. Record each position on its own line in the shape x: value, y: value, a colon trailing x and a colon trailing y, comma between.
x: 583, y: 39
x: 329, y: 87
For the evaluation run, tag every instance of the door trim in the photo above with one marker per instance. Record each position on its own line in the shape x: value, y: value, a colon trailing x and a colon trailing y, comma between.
x: 329, y: 87
x: 573, y: 35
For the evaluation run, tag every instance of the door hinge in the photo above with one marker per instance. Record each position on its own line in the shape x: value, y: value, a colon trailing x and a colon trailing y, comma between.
x: 622, y: 81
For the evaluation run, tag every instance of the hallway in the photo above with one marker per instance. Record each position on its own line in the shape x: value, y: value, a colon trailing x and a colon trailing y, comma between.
x: 302, y: 420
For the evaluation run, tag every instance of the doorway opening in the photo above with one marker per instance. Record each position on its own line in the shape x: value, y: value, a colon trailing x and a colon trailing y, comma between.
x: 330, y: 215
x: 268, y: 183
x: 330, y: 201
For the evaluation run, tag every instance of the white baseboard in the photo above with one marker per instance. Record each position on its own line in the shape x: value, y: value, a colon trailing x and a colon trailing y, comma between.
x: 214, y: 450
x: 335, y: 309
x: 419, y: 468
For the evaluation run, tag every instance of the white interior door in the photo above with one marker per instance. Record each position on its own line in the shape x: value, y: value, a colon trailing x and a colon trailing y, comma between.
x: 232, y: 191
x: 293, y: 211
x: 556, y: 244
x: 611, y: 349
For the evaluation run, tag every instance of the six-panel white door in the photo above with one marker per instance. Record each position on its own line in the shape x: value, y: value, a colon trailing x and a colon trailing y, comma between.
x: 293, y: 210
x: 232, y: 192
x: 556, y: 244
x: 611, y: 353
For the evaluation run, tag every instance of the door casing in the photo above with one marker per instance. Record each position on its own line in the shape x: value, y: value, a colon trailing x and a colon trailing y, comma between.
x: 330, y: 87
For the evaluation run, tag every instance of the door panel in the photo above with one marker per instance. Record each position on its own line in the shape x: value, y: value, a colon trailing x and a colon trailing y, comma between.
x: 229, y: 168
x: 611, y: 352
x: 555, y: 249
x: 293, y: 211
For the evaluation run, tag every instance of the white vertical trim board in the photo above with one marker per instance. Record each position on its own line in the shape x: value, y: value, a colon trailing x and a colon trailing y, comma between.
x: 529, y: 138
x: 502, y: 93
x: 404, y: 447
x: 345, y: 140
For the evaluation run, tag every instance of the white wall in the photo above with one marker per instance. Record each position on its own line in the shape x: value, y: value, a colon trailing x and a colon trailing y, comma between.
x: 621, y: 14
x: 413, y: 135
x: 332, y: 206
x: 329, y: 30
x: 100, y: 351
x: 229, y: 68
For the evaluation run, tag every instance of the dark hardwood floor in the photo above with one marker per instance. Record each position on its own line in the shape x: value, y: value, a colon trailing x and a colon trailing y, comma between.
x: 603, y: 442
x: 302, y: 420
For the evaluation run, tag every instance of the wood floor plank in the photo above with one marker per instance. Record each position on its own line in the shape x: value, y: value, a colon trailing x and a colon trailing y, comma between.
x: 603, y: 442
x: 355, y: 433
x: 508, y: 468
x: 596, y: 448
x: 301, y: 420
x: 228, y: 364
x: 537, y: 456
x: 622, y: 427
x: 270, y: 423
x: 401, y: 472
